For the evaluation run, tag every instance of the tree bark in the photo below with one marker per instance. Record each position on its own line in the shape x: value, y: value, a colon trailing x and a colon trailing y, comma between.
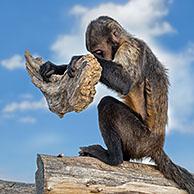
x: 83, y: 175
x: 65, y: 94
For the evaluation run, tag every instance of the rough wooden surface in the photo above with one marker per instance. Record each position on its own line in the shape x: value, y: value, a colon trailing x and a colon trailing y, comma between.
x: 7, y: 187
x: 65, y: 94
x: 82, y: 175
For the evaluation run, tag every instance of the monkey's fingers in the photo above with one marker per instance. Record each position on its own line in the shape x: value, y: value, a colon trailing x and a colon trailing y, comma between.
x: 42, y: 70
x: 71, y: 72
x: 84, y: 151
x: 46, y: 71
x: 91, y: 151
x: 45, y: 67
x: 48, y: 74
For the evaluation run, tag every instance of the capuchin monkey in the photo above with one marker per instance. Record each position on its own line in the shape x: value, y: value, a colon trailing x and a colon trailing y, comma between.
x: 135, y: 127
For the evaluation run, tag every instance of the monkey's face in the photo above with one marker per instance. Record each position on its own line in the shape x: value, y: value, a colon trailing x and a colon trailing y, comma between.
x: 104, y: 36
x: 103, y: 49
x: 102, y: 41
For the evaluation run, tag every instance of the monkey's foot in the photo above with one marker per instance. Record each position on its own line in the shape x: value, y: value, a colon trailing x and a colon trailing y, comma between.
x: 96, y: 151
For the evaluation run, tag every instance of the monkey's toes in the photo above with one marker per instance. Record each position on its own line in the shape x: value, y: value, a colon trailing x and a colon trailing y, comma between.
x: 84, y: 151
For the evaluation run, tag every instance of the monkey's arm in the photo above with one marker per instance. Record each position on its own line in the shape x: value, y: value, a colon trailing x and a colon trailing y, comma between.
x: 114, y: 76
x: 125, y: 70
x: 48, y: 68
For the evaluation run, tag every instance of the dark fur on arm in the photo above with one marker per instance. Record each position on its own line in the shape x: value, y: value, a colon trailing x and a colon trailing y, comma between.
x: 49, y: 68
x: 61, y: 69
x: 114, y: 76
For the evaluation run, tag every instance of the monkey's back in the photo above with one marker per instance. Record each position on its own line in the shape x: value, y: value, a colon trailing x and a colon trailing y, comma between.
x: 150, y: 97
x: 156, y: 93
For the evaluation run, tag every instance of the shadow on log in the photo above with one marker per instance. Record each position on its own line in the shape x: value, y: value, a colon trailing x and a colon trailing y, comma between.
x: 84, y: 175
x: 65, y: 94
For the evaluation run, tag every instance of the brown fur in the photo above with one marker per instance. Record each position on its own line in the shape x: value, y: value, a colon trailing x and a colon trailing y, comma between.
x: 138, y: 129
x: 148, y: 96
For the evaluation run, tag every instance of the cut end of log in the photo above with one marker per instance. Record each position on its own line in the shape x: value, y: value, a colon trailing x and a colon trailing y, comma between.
x: 65, y: 94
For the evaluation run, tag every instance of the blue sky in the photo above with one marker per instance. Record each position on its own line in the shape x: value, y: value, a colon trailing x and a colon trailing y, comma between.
x: 55, y: 31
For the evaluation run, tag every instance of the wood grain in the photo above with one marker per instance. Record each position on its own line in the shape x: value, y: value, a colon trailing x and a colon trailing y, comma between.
x: 83, y: 175
x: 65, y: 94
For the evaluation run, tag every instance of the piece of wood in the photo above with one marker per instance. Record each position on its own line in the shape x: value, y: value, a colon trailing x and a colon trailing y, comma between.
x: 8, y: 187
x: 65, y: 94
x: 84, y: 175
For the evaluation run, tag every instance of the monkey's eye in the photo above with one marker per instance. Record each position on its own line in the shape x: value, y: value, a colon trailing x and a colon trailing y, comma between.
x: 99, y: 52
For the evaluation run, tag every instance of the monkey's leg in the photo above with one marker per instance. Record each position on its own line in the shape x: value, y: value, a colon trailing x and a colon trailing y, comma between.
x: 124, y: 134
x: 114, y: 154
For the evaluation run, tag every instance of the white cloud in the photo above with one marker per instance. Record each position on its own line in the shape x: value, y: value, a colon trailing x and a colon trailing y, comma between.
x: 24, y: 106
x: 27, y: 120
x: 141, y: 17
x: 145, y: 19
x: 14, y: 62
x: 182, y: 91
x: 67, y: 46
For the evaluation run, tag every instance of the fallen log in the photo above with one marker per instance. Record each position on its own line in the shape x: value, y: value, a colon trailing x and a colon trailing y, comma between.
x: 65, y: 94
x: 83, y: 175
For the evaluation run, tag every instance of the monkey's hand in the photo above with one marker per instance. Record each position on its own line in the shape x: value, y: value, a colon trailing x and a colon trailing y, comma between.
x: 47, y: 69
x: 100, y: 59
x: 71, y: 68
x: 92, y: 151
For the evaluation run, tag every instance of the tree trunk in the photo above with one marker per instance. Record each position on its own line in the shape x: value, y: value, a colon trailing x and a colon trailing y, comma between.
x: 83, y: 175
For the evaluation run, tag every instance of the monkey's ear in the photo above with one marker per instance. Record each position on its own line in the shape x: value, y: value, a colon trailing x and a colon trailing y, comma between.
x: 115, y: 35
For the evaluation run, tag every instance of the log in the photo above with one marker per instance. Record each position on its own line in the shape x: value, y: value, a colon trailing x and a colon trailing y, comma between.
x: 8, y: 187
x: 65, y: 94
x: 84, y: 175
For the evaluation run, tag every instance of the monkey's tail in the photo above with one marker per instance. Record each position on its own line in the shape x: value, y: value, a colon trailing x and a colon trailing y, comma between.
x: 181, y: 176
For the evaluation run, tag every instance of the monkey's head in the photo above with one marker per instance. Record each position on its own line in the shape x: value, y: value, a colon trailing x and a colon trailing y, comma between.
x: 104, y: 36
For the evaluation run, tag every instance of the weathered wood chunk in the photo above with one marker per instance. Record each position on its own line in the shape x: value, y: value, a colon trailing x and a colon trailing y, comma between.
x: 65, y: 94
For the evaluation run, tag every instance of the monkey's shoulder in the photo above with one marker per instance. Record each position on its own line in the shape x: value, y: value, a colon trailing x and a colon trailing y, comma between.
x: 130, y: 52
